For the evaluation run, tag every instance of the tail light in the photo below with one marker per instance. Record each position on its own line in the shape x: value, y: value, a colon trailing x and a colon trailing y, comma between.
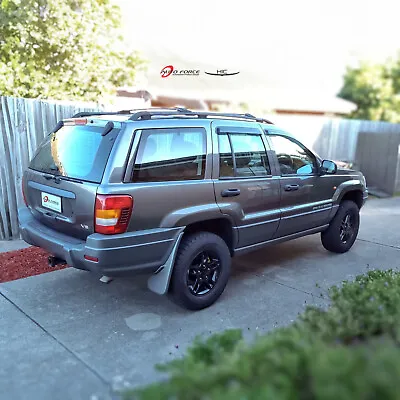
x: 112, y: 213
x: 81, y: 121
x: 75, y: 121
x: 23, y: 192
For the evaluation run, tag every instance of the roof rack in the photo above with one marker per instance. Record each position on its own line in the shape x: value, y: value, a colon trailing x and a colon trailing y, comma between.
x: 127, y: 112
x: 149, y: 113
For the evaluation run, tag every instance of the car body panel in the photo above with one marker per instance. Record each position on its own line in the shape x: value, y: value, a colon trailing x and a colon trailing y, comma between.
x: 73, y: 195
x: 255, y: 210
x: 313, y: 204
x: 302, y: 208
x: 264, y: 213
x: 128, y: 253
x: 77, y: 200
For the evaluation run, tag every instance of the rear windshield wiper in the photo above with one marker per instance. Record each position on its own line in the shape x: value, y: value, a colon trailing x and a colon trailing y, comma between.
x: 58, y: 178
x: 49, y: 176
x: 68, y: 178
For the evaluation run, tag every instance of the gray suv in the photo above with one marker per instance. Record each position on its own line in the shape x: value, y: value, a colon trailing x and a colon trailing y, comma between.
x: 175, y: 193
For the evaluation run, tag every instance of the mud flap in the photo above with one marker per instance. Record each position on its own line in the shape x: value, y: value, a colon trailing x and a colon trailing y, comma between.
x: 159, y: 282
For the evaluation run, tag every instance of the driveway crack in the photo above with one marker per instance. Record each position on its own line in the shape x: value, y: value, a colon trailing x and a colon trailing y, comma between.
x: 379, y: 244
x: 288, y: 286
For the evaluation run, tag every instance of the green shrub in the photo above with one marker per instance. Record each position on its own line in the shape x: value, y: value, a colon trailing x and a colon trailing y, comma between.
x: 349, y: 352
x: 366, y: 307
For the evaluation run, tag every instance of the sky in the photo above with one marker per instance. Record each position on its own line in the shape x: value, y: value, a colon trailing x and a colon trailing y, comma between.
x: 293, y: 45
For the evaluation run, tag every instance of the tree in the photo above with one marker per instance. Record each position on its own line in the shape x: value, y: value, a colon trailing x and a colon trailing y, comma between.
x: 375, y: 89
x: 63, y: 49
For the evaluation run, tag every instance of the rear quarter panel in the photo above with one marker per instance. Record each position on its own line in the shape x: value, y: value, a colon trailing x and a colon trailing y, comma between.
x: 167, y: 204
x: 160, y: 204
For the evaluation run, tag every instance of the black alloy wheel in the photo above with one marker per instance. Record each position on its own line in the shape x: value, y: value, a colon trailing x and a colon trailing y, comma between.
x: 203, y: 273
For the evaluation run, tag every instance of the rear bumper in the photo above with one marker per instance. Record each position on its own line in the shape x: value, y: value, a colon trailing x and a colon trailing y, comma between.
x: 124, y: 254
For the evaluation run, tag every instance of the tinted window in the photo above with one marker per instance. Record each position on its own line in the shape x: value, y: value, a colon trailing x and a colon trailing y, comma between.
x: 170, y: 155
x: 293, y: 159
x: 225, y: 156
x: 75, y: 151
x: 250, y: 155
x: 250, y: 158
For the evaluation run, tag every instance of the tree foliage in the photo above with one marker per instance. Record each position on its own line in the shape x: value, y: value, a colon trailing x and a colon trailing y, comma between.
x: 375, y: 89
x: 63, y: 49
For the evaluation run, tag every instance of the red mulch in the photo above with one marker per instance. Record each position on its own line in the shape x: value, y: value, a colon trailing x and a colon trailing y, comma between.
x: 23, y: 263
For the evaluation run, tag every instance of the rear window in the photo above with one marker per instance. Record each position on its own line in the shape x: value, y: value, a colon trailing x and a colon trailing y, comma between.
x: 78, y: 152
x: 170, y: 155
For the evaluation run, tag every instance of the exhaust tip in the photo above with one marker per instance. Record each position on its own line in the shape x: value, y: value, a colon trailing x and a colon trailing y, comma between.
x: 54, y: 261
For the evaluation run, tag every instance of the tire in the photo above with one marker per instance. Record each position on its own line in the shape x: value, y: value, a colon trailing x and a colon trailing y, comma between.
x: 337, y: 238
x: 187, y: 277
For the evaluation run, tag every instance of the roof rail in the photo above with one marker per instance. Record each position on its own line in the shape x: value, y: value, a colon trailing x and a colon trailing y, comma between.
x: 149, y: 113
x: 133, y: 111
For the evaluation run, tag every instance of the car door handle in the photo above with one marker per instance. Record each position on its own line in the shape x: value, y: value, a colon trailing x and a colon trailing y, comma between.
x: 291, y: 188
x: 230, y: 192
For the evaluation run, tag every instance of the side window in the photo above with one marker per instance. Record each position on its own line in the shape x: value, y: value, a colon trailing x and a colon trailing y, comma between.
x: 243, y: 156
x: 293, y: 159
x: 170, y: 155
x: 226, y: 166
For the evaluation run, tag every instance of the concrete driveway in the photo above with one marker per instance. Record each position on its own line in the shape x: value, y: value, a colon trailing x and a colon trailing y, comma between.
x: 65, y: 335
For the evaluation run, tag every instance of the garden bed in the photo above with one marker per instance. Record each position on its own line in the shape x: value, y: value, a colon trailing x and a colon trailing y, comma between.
x: 23, y: 263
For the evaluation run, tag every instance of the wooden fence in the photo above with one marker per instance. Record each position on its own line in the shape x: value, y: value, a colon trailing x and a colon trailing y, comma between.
x: 331, y: 138
x: 338, y: 138
x: 23, y: 125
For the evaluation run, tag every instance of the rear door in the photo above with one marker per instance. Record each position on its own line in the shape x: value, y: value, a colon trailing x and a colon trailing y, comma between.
x: 245, y: 188
x: 61, y: 182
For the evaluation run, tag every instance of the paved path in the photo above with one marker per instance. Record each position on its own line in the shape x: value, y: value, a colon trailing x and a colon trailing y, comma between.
x: 65, y: 335
x: 10, y: 245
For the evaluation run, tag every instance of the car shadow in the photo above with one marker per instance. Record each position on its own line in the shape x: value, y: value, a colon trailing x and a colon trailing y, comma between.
x: 279, y: 255
x: 80, y: 294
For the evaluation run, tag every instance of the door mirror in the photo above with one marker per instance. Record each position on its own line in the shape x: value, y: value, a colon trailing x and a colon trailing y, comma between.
x: 328, y: 167
x: 305, y: 170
